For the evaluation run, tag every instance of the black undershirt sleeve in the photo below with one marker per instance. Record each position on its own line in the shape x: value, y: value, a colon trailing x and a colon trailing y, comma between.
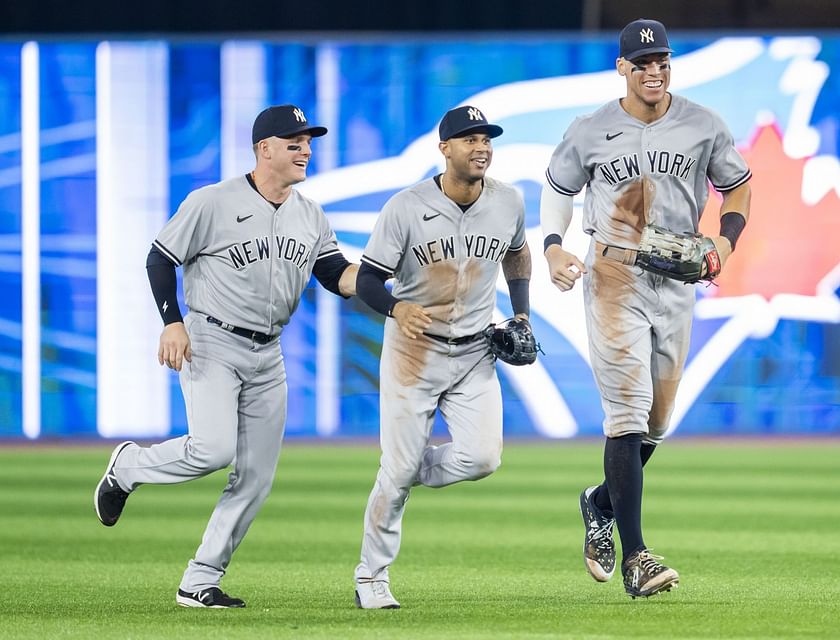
x: 328, y: 272
x: 164, y: 283
x: 370, y: 287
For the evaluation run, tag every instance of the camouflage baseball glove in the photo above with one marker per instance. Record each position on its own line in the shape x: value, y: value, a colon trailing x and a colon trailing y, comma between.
x: 687, y: 257
x: 513, y: 342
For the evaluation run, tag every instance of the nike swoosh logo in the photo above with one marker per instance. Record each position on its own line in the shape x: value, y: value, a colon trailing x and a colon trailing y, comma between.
x: 614, y: 135
x: 243, y: 218
x: 427, y: 217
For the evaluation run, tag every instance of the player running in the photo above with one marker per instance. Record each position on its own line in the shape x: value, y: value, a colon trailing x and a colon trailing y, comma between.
x: 442, y: 240
x: 645, y: 159
x: 248, y: 247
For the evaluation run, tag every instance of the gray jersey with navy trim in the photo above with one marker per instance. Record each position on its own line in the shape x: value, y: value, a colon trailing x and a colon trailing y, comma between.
x: 659, y: 170
x: 245, y: 262
x: 445, y: 259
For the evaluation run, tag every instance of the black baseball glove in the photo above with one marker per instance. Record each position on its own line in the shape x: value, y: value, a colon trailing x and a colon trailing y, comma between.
x: 513, y: 342
x: 687, y: 257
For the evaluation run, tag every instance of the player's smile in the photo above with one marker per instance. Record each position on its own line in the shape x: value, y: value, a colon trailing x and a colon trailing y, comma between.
x: 473, y: 153
x: 648, y: 80
x: 299, y: 152
x: 652, y: 74
x: 477, y: 165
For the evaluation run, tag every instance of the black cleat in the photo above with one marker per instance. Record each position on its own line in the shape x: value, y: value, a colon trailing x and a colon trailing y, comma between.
x: 598, y: 545
x: 212, y: 598
x: 109, y: 498
x: 645, y: 576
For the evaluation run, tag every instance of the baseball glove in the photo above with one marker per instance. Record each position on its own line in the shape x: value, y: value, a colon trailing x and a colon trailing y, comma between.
x: 687, y: 257
x: 513, y: 342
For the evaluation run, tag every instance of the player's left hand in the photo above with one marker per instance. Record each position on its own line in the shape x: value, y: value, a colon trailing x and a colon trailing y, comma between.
x: 724, y: 249
x: 411, y: 318
x: 174, y: 346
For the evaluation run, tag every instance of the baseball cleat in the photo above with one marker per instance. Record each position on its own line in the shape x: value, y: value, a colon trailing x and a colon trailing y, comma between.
x: 645, y: 576
x: 212, y: 598
x: 598, y: 545
x: 374, y: 594
x: 108, y: 497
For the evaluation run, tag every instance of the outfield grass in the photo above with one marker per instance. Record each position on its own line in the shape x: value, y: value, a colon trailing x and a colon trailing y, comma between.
x: 752, y: 528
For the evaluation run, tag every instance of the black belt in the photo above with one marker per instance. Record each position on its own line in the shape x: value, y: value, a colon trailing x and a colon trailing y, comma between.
x: 256, y: 336
x: 461, y: 340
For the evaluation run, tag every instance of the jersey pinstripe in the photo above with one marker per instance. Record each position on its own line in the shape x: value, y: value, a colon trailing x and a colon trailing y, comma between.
x: 445, y: 259
x: 245, y: 262
x: 639, y: 173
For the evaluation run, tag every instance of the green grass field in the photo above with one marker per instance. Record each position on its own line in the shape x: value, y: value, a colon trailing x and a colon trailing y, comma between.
x: 752, y: 528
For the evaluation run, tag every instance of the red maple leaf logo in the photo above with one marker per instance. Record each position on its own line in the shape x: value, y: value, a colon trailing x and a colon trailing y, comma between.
x: 787, y: 246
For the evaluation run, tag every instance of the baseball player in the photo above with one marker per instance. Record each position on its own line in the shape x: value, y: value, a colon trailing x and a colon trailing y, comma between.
x: 442, y: 240
x: 645, y: 159
x: 248, y: 246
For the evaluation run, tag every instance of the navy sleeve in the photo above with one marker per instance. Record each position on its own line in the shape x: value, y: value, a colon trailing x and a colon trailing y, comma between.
x: 370, y: 287
x: 519, y: 295
x: 328, y: 270
x: 164, y: 283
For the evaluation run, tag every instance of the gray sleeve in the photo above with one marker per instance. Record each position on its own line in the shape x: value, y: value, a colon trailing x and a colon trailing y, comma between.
x: 328, y: 243
x: 386, y: 245
x: 566, y: 172
x: 187, y: 232
x: 518, y: 240
x: 727, y: 168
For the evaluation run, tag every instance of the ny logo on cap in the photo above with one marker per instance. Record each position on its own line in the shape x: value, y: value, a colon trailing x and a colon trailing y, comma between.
x: 475, y: 114
x: 646, y: 35
x: 299, y: 115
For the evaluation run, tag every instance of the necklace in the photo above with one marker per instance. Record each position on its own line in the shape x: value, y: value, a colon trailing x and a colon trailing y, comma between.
x: 276, y: 205
x: 443, y: 189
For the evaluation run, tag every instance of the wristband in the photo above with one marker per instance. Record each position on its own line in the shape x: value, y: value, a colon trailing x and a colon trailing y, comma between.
x: 518, y: 289
x: 732, y: 224
x: 550, y: 239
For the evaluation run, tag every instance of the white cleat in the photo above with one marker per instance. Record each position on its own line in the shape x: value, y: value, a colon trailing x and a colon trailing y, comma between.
x: 374, y: 594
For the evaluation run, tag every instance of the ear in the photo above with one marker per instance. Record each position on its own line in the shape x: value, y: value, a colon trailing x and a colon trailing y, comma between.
x: 444, y: 148
x: 620, y: 66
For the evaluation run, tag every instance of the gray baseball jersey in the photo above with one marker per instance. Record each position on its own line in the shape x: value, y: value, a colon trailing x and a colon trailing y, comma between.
x: 447, y: 261
x: 659, y: 169
x: 245, y: 263
x: 444, y: 259
x: 639, y: 324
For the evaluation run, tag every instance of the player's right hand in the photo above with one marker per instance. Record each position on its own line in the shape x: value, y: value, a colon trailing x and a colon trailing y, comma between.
x: 563, y: 267
x: 174, y: 346
x: 412, y: 319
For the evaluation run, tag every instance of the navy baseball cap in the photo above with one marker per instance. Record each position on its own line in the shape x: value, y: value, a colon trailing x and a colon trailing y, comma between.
x: 641, y: 37
x: 283, y: 121
x: 463, y: 121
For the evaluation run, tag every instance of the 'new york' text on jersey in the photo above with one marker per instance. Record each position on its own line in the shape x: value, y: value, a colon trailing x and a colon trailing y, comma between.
x: 245, y: 262
x: 640, y: 173
x: 444, y: 259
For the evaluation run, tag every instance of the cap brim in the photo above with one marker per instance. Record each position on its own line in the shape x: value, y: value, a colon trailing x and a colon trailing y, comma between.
x: 315, y: 132
x: 492, y: 130
x: 644, y: 52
